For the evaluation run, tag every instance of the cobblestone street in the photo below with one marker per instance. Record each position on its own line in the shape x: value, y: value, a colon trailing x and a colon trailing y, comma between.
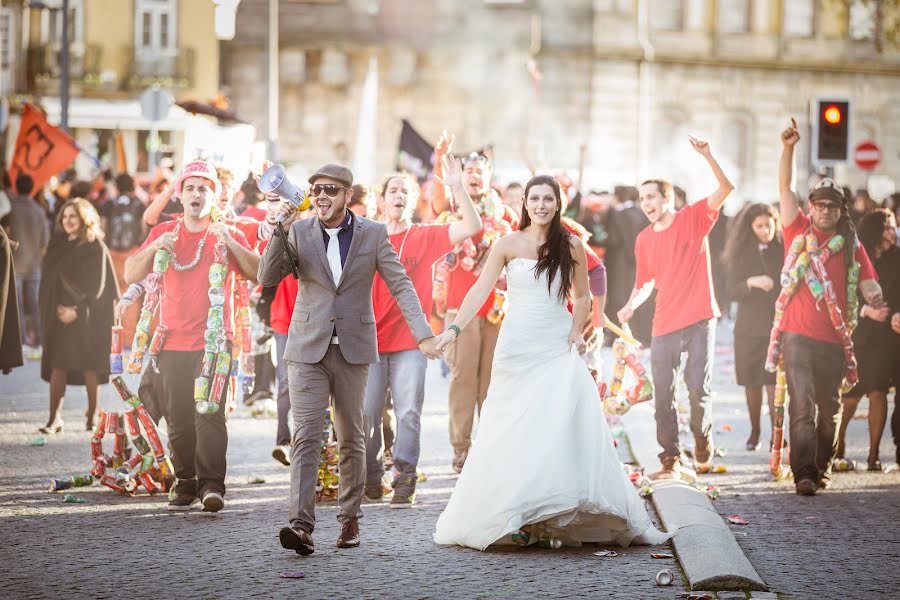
x: 842, y: 543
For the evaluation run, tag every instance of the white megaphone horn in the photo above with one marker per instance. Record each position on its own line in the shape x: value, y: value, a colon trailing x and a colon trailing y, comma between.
x: 275, y: 180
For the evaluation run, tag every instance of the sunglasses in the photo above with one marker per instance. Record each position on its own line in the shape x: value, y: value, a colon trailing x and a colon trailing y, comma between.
x: 330, y: 189
x: 823, y: 206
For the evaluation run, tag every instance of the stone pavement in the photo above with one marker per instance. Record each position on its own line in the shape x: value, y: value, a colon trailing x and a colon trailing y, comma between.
x: 118, y: 546
x: 843, y: 543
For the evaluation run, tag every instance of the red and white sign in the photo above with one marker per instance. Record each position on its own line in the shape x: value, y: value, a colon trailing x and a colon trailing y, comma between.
x: 867, y: 155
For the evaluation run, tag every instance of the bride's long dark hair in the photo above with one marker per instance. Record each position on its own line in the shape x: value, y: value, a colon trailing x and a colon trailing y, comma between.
x: 554, y: 255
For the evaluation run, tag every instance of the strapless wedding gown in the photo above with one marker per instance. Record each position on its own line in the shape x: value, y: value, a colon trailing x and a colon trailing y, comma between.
x: 544, y: 455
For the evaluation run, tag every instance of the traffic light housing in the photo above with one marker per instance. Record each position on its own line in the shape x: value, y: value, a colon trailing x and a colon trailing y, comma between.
x: 831, y: 131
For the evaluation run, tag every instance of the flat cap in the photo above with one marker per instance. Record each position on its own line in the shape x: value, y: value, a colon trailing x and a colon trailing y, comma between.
x: 337, y: 172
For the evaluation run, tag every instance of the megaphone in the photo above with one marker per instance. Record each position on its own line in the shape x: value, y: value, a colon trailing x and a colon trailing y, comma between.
x: 275, y: 180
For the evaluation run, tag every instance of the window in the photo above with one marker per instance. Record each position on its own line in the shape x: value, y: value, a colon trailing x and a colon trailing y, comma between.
x: 667, y: 15
x: 861, y: 26
x: 733, y: 16
x: 799, y: 18
x: 155, y: 34
x: 155, y: 26
x: 7, y: 50
x: 52, y: 22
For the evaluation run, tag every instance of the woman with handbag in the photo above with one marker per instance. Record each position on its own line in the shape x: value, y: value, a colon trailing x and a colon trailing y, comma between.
x: 77, y: 294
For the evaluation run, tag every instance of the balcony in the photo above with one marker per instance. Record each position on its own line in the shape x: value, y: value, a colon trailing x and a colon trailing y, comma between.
x: 170, y: 70
x: 43, y: 67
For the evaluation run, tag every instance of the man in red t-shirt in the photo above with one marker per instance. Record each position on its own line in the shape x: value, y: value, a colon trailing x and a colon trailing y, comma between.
x: 401, y: 366
x: 814, y: 359
x: 198, y: 441
x: 470, y: 358
x: 672, y: 255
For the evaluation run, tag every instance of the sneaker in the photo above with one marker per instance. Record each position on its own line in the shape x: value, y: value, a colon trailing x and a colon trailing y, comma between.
x: 671, y: 466
x: 806, y: 487
x: 282, y: 454
x: 373, y: 491
x: 404, y: 492
x: 213, y: 502
x: 183, y: 503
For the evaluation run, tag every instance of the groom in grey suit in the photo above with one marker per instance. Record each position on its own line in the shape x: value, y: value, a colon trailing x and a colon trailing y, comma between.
x: 332, y: 340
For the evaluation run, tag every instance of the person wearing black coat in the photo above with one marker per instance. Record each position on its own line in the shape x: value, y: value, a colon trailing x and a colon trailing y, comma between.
x: 754, y: 255
x: 10, y: 331
x: 77, y: 294
x: 876, y: 341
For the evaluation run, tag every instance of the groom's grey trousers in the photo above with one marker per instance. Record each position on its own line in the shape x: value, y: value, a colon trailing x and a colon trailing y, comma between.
x: 310, y: 386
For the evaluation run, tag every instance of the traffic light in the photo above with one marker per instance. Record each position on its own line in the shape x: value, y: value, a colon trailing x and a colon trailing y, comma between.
x: 831, y: 132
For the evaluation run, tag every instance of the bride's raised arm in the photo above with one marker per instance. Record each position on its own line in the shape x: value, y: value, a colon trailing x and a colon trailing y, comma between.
x: 478, y: 293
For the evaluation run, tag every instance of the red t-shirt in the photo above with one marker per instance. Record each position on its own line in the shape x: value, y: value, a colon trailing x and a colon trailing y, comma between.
x: 459, y: 281
x: 802, y: 315
x: 283, y: 304
x: 254, y: 212
x: 184, y: 300
x: 424, y: 245
x: 677, y: 258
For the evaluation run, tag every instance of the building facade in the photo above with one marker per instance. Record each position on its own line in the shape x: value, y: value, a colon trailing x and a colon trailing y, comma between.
x: 621, y: 81
x: 118, y: 49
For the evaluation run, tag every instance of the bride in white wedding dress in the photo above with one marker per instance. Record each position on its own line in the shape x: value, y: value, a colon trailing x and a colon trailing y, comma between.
x: 543, y: 464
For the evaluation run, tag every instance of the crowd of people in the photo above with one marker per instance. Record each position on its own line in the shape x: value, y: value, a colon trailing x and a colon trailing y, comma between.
x: 384, y: 270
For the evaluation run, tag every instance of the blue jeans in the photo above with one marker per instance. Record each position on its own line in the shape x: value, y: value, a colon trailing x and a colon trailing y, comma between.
x: 283, y: 436
x: 698, y: 340
x: 404, y: 374
x: 27, y: 287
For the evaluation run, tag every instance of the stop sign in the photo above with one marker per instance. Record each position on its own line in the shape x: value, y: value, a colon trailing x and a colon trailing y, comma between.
x: 867, y: 155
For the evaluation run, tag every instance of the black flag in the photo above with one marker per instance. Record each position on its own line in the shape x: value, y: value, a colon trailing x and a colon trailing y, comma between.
x: 415, y: 154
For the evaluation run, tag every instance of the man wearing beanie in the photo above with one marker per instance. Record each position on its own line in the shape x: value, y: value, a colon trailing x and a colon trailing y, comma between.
x: 198, y: 441
x: 815, y: 316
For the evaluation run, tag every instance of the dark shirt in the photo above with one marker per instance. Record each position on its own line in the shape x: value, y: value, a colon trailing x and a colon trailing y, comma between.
x: 756, y: 308
x: 870, y: 331
x: 345, y: 236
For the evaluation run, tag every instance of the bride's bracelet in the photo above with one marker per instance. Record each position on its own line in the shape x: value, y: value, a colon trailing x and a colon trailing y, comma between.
x: 455, y: 329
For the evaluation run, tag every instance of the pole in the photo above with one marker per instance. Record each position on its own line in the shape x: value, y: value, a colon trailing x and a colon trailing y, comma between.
x: 272, y: 84
x: 64, y: 70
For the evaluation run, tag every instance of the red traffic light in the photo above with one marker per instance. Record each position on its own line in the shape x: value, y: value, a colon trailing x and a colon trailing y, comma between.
x: 833, y: 114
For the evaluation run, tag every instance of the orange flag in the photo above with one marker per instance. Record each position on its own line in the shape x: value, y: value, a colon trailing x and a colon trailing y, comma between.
x: 42, y: 150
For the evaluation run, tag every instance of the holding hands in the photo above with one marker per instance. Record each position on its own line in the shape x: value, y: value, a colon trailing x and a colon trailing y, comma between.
x: 577, y: 338
x: 429, y: 348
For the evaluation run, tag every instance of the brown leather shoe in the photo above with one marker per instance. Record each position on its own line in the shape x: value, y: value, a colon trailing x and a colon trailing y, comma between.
x: 670, y: 469
x: 296, y: 539
x: 349, y: 537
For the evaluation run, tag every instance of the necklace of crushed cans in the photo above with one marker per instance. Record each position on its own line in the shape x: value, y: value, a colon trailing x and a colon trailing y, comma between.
x: 805, y: 261
x: 615, y: 400
x: 124, y: 470
x: 210, y: 385
x: 470, y: 256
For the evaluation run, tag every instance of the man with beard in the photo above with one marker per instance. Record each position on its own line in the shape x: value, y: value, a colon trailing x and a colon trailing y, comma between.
x: 332, y: 341
x: 470, y: 358
x: 819, y: 313
x: 198, y: 441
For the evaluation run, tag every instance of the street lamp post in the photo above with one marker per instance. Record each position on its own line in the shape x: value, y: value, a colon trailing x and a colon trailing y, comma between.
x: 64, y: 69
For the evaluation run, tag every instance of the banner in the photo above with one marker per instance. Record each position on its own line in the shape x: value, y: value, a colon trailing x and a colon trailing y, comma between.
x: 42, y: 150
x: 415, y: 154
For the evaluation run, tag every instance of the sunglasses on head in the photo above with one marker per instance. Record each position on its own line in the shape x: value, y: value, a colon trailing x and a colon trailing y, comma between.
x: 331, y: 190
